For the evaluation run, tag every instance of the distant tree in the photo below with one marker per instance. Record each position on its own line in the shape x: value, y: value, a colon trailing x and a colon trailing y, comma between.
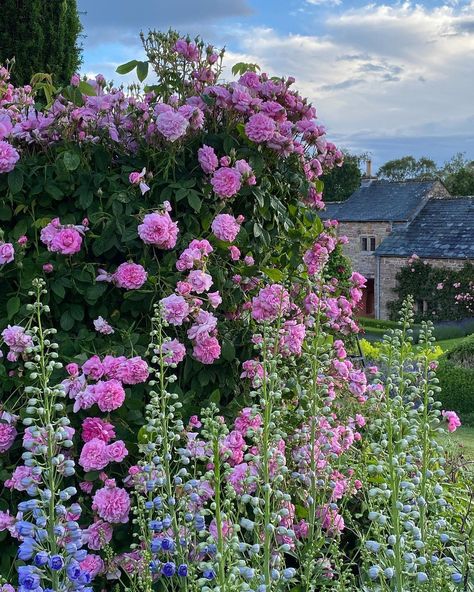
x: 341, y: 182
x: 42, y: 36
x: 458, y: 175
x: 408, y: 167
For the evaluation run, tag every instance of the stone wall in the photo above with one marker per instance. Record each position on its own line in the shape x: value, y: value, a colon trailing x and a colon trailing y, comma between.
x: 386, y: 284
x: 363, y: 262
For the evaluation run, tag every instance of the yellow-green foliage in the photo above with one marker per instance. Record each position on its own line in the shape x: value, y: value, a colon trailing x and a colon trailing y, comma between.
x: 372, y: 351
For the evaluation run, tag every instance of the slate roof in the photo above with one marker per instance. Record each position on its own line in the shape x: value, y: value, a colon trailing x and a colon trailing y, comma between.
x: 381, y: 201
x: 443, y: 229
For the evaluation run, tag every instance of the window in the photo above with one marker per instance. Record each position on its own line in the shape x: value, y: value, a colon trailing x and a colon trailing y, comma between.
x: 421, y: 306
x: 367, y: 243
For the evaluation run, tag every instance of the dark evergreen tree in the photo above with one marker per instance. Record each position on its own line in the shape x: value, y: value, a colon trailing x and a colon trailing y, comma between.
x: 341, y: 182
x: 42, y: 36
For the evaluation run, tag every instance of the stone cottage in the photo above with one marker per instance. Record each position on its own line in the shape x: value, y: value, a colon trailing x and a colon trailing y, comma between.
x: 386, y: 222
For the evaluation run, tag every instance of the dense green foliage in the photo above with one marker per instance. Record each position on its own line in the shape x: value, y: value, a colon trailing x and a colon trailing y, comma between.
x: 456, y: 377
x: 92, y: 182
x: 437, y: 287
x: 42, y: 37
x: 341, y: 182
x: 408, y: 167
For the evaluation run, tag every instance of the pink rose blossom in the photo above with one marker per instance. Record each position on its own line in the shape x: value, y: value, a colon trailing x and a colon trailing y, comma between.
x: 331, y: 520
x: 187, y: 49
x: 233, y: 443
x: 239, y: 476
x: 207, y: 159
x: 48, y: 267
x: 203, y: 245
x: 215, y: 299
x: 158, y: 230
x: 98, y: 535
x: 137, y: 178
x: 226, y: 182
x: 94, y: 455
x: 7, y: 436
x: 225, y: 227
x: 207, y: 349
x: 7, y: 253
x: 8, y: 157
x: 194, y: 421
x: 94, y: 427
x: 7, y: 522
x: 292, y: 337
x: 175, y: 309
x: 205, y: 323
x: 20, y: 475
x: 112, y: 364
x: 234, y: 253
x: 72, y: 369
x: 92, y: 565
x: 253, y: 370
x: 86, y: 486
x: 133, y: 371
x: 188, y: 259
x: 200, y: 281
x: 130, y: 276
x: 171, y: 125
x: 116, y: 451
x: 93, y: 368
x: 260, y: 128
x: 247, y: 419
x: 453, y: 420
x: 67, y: 241
x: 112, y: 504
x: 110, y: 395
x: 102, y: 326
x: 16, y: 338
x: 246, y: 171
x: 271, y: 301
x: 173, y: 351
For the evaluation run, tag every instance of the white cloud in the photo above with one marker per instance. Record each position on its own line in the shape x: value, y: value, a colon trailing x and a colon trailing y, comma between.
x: 394, y: 71
x: 324, y: 2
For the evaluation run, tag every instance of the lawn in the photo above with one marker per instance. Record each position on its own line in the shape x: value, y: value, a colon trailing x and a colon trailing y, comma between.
x: 465, y: 437
x: 447, y: 344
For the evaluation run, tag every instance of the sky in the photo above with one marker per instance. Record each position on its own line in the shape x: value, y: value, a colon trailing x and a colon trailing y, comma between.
x: 388, y: 78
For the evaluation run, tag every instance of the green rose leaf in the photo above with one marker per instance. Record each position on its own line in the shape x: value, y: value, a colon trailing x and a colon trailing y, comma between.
x: 127, y: 67
x: 15, y: 180
x: 142, y: 71
x: 13, y: 306
x: 71, y: 160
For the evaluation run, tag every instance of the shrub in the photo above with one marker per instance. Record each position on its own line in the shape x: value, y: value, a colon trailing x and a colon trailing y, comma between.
x: 447, y: 294
x: 456, y: 377
x: 80, y: 168
x: 457, y: 387
x: 463, y: 354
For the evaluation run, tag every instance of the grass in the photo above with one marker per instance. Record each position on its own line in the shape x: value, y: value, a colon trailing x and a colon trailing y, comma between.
x: 447, y: 344
x: 465, y: 437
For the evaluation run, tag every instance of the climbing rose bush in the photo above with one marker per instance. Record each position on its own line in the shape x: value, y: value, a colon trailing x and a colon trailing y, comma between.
x: 179, y: 409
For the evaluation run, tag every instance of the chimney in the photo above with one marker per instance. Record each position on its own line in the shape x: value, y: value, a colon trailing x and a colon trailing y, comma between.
x: 368, y: 177
x: 368, y: 170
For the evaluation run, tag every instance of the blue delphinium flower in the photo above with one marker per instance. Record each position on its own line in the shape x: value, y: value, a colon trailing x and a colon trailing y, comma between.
x: 168, y: 569
x: 183, y: 570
